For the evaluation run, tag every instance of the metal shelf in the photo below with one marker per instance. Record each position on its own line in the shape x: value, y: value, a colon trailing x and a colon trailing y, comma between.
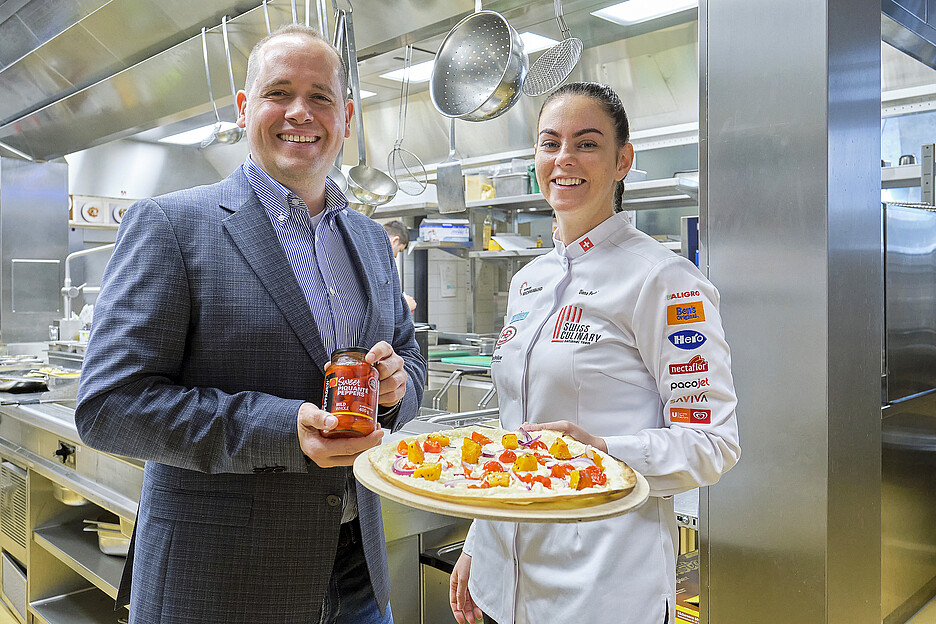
x: 901, y: 176
x: 509, y: 253
x: 404, y: 210
x: 88, y: 606
x: 78, y: 549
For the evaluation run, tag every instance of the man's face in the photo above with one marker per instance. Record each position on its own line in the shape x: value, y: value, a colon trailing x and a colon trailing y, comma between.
x: 296, y: 115
x: 396, y: 245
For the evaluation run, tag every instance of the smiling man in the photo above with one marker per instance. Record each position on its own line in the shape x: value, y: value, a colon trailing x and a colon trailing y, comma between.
x: 218, y: 312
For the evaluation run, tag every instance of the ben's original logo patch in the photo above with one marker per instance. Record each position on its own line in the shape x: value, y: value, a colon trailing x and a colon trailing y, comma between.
x: 526, y: 289
x: 569, y: 327
x: 683, y: 295
x: 682, y: 313
x: 687, y: 339
x: 509, y: 332
x: 690, y: 415
x: 696, y: 365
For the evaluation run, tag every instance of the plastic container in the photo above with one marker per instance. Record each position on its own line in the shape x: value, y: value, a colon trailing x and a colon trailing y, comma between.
x: 350, y: 394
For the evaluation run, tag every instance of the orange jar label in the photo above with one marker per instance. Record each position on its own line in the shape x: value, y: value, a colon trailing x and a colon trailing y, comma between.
x: 351, y: 390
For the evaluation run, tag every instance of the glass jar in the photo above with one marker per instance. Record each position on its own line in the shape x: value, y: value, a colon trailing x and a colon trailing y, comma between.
x: 351, y: 390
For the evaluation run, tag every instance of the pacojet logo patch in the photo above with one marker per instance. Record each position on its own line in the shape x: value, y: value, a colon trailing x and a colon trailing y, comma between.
x: 687, y: 339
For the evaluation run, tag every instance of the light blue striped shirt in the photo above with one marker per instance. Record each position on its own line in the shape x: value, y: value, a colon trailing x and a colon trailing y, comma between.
x: 319, y: 257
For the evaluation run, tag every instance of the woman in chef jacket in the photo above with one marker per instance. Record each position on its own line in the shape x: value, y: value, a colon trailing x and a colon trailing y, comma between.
x: 618, y: 342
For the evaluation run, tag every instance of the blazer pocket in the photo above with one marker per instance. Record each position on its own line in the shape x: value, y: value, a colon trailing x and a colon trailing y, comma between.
x: 201, y: 507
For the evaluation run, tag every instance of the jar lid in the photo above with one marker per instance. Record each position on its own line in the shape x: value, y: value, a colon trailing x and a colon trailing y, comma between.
x: 349, y: 350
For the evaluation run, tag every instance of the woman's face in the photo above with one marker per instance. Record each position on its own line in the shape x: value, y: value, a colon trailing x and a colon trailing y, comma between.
x: 578, y: 160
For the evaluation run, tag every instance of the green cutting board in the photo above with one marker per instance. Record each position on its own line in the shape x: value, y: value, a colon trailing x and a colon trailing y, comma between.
x: 469, y: 360
x: 438, y: 355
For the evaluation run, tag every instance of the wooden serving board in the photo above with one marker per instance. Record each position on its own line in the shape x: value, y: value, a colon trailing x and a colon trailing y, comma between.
x: 534, y: 512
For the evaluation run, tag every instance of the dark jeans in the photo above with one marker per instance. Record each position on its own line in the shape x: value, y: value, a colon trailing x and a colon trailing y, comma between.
x: 350, y: 598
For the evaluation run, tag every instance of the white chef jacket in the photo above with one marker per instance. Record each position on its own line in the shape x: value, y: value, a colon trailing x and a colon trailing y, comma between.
x: 623, y: 337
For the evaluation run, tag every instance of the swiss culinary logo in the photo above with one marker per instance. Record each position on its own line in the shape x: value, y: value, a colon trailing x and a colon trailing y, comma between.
x: 509, y: 332
x: 692, y: 383
x: 690, y: 415
x: 691, y: 398
x: 683, y: 295
x: 519, y: 316
x: 687, y: 339
x: 682, y: 313
x: 696, y: 365
x: 569, y: 327
x: 526, y: 289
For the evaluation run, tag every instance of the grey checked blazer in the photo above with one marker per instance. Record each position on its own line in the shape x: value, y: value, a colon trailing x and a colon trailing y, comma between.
x: 202, y: 349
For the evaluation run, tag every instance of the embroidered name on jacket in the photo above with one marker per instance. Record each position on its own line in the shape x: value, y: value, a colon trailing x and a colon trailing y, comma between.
x: 569, y: 327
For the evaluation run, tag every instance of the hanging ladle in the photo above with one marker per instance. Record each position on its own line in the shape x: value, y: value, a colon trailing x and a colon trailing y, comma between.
x: 371, y: 186
x: 234, y: 134
x: 213, y: 135
x: 335, y: 174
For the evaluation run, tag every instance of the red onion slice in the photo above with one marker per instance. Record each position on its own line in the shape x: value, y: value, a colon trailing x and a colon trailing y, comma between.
x: 520, y: 481
x: 454, y: 482
x: 526, y: 443
x: 397, y: 467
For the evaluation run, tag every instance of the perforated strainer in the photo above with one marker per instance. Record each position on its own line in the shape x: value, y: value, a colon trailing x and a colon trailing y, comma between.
x: 403, y: 165
x: 479, y: 68
x: 556, y: 63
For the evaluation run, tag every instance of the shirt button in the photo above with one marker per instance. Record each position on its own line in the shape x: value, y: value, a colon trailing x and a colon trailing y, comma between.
x: 282, y: 218
x: 332, y: 500
x: 294, y: 201
x: 332, y: 291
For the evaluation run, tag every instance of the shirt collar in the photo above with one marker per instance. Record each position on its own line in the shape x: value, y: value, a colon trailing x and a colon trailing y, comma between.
x: 591, y: 239
x: 278, y: 200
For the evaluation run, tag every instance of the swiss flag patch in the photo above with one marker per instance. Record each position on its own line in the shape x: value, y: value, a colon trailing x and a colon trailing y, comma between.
x: 586, y: 244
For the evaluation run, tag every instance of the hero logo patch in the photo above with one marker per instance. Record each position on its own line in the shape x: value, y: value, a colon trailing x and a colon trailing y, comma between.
x: 687, y: 339
x: 691, y: 415
x: 586, y: 244
x: 509, y: 332
x: 526, y: 289
x: 569, y: 327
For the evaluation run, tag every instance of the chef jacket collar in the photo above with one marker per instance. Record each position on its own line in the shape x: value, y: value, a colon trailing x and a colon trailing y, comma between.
x: 591, y: 239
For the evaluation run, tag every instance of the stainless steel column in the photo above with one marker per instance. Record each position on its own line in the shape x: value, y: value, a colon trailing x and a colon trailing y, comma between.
x: 791, y: 235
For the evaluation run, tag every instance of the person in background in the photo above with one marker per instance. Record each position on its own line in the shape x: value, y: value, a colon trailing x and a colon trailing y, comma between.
x: 218, y: 312
x: 399, y: 239
x: 620, y: 345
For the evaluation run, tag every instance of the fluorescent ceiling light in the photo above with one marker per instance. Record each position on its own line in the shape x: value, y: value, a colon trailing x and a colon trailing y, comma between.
x: 635, y: 11
x: 366, y: 94
x: 420, y: 72
x: 191, y: 137
x: 534, y: 43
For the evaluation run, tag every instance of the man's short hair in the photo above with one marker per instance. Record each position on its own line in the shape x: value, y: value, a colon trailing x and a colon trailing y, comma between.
x: 292, y: 29
x: 396, y: 228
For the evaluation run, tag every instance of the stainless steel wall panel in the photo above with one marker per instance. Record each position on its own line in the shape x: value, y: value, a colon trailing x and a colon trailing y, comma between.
x: 88, y: 56
x: 17, y: 40
x: 48, y: 18
x: 27, y: 83
x: 789, y: 151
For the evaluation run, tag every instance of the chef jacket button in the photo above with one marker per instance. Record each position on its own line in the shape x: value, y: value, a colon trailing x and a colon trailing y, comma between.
x: 332, y: 500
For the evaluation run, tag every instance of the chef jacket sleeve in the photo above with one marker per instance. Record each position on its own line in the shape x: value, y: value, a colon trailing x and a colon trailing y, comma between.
x: 679, y: 335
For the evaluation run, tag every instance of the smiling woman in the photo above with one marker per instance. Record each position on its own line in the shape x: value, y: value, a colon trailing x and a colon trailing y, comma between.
x: 600, y: 340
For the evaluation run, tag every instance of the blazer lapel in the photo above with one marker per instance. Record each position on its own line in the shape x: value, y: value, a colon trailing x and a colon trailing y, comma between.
x: 363, y: 256
x: 252, y: 232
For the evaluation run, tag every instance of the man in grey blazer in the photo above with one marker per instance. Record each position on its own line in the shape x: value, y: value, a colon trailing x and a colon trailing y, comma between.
x: 218, y: 311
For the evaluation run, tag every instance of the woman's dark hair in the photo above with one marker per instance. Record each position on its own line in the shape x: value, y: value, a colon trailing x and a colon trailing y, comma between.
x: 611, y: 103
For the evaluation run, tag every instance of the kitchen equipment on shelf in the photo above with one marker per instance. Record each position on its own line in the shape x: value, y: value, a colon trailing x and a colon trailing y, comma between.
x: 335, y: 174
x: 450, y: 183
x: 479, y: 68
x: 403, y: 165
x: 236, y: 133
x: 66, y: 496
x: 110, y: 540
x: 371, y: 186
x: 217, y: 135
x: 555, y: 64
